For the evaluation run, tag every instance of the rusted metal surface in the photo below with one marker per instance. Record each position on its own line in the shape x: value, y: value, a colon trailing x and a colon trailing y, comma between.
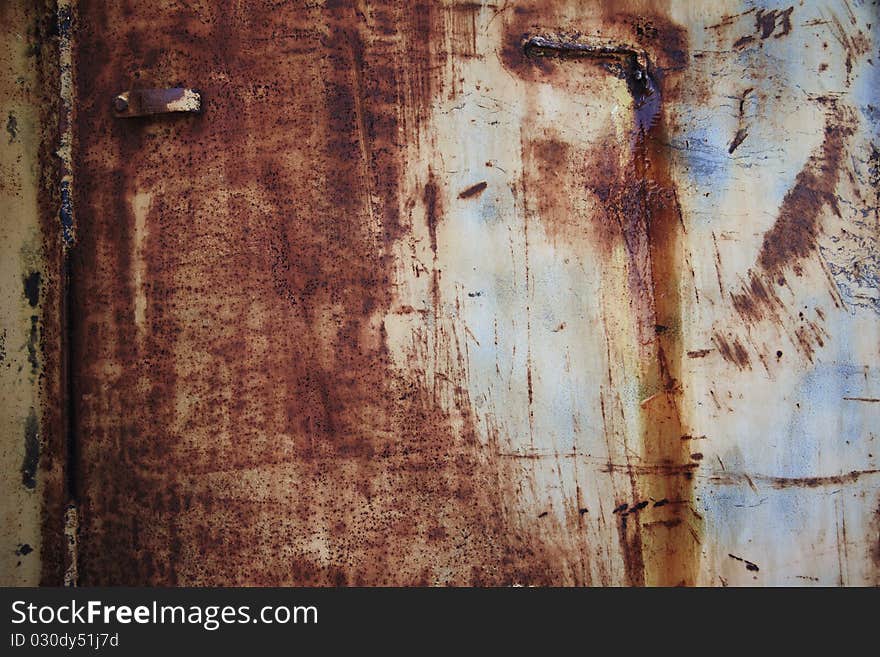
x: 476, y: 293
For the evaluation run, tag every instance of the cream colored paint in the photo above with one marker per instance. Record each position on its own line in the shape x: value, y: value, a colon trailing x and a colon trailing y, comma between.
x: 20, y: 254
x: 140, y: 207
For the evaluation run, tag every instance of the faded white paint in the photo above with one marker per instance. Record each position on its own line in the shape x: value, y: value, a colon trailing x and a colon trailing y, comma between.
x: 510, y: 295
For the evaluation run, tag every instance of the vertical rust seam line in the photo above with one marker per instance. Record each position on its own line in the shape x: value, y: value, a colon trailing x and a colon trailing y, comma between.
x: 660, y: 563
x: 64, y: 24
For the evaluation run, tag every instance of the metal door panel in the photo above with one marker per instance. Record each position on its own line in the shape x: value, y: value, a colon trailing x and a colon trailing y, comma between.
x: 412, y: 302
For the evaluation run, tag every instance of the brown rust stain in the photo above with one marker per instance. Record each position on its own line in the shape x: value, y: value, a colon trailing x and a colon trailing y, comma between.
x: 796, y: 229
x: 733, y: 352
x: 547, y: 158
x: 432, y: 211
x: 461, y: 19
x: 258, y: 426
x: 256, y: 431
x: 474, y: 190
x: 794, y: 238
x: 774, y: 23
x: 640, y: 23
x: 632, y: 186
x: 854, y: 42
x: 874, y: 543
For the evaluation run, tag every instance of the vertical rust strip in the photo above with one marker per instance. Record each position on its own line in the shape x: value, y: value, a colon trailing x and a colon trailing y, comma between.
x: 631, y: 180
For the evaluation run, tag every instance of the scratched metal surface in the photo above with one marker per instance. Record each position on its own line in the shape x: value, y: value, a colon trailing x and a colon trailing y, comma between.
x: 405, y: 305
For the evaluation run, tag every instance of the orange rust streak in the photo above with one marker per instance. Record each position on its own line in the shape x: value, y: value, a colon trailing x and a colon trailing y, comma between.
x: 640, y: 212
x: 671, y: 549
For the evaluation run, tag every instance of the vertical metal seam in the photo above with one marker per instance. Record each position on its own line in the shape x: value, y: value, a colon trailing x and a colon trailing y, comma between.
x: 64, y: 24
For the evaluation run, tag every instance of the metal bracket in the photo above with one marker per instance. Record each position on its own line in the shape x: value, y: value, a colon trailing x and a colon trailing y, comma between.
x: 622, y: 60
x: 146, y: 102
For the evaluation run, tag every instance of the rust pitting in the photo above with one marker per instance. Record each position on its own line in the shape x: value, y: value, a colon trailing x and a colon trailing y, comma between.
x: 264, y: 357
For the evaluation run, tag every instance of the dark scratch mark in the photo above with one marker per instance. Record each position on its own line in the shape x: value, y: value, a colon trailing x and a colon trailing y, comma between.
x: 31, y: 451
x: 742, y: 41
x: 793, y: 482
x: 32, y: 288
x: 749, y: 565
x: 766, y: 22
x: 473, y: 190
x: 430, y: 199
x: 739, y: 138
x: 12, y: 127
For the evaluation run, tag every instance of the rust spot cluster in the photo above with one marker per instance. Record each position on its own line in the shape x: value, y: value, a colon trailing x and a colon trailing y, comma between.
x: 254, y: 429
x: 773, y: 22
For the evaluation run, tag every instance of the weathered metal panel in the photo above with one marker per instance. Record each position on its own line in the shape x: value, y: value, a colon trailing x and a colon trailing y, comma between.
x: 32, y: 490
x: 409, y: 303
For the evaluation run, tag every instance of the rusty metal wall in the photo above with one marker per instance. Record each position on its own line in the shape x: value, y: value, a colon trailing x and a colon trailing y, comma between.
x: 411, y: 303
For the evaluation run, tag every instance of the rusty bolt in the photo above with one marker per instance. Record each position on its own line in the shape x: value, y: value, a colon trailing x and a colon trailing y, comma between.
x: 120, y: 104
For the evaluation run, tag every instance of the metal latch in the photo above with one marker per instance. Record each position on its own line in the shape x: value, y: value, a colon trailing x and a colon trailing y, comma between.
x: 622, y: 60
x: 144, y: 102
